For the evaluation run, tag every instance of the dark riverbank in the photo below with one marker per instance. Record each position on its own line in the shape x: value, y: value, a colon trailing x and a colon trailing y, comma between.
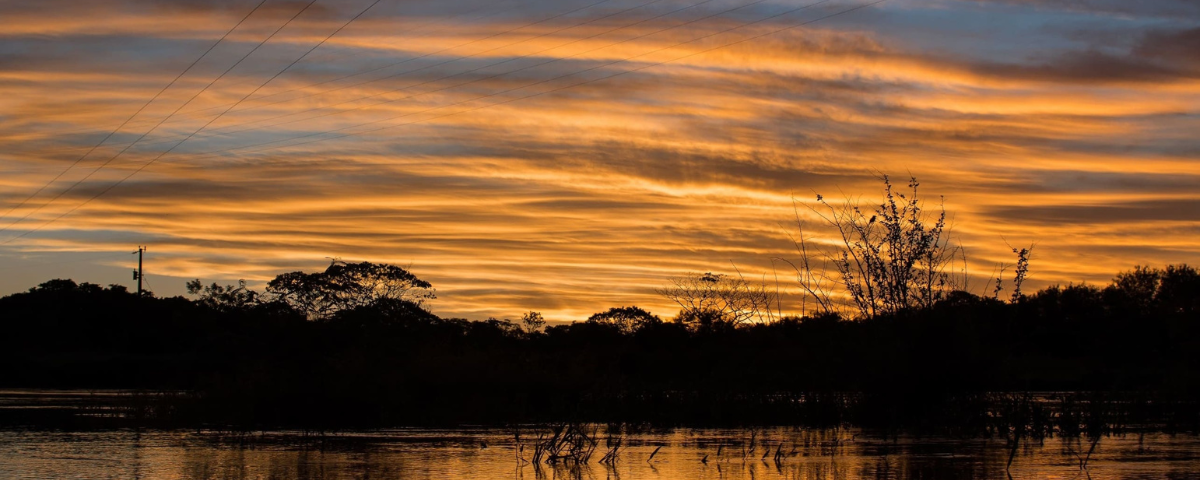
x: 953, y: 366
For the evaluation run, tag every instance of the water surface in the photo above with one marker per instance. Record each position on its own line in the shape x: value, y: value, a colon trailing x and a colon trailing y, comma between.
x: 492, y: 453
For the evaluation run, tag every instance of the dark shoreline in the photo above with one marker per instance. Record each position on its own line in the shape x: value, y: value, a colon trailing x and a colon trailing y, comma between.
x: 1031, y: 415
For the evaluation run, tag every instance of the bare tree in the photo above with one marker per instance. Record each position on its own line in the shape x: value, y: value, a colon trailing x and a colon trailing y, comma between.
x: 719, y: 300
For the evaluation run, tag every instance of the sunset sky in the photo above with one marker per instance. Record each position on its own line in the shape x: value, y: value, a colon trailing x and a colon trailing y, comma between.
x: 572, y: 155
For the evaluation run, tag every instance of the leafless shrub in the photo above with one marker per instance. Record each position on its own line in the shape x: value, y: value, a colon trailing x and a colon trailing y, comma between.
x: 568, y: 443
x: 816, y: 283
x: 890, y: 258
x: 1022, y: 271
x: 1019, y: 275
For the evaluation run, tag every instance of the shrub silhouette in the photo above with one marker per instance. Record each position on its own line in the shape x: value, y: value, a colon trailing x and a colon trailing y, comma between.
x: 891, y: 257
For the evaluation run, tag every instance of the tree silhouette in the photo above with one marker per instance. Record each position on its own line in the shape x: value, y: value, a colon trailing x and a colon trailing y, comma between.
x: 223, y: 298
x: 625, y: 319
x: 345, y: 286
x: 1170, y: 290
x: 533, y: 322
x: 718, y: 299
x: 1177, y: 290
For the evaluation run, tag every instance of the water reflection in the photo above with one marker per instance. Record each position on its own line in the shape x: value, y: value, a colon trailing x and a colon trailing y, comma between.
x: 479, y: 453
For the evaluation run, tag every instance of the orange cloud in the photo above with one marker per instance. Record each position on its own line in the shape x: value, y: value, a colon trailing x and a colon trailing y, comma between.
x: 511, y: 171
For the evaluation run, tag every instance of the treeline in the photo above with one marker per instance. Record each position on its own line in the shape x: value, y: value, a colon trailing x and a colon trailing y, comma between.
x: 354, y: 345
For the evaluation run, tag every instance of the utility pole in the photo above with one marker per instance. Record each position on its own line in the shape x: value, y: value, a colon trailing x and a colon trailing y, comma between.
x: 137, y: 274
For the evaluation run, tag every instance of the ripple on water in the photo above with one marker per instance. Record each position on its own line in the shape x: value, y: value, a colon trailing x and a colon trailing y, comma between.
x: 492, y: 453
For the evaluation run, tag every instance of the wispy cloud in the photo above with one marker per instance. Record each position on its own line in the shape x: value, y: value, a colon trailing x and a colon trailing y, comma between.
x: 492, y: 154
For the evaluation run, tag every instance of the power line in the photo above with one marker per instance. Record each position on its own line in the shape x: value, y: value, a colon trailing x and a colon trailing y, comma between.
x: 273, y: 77
x: 231, y: 106
x: 127, y: 147
x: 406, y: 87
x: 269, y: 80
x: 638, y: 37
x: 418, y: 27
x: 139, y: 110
x: 559, y: 15
x: 527, y: 25
x: 492, y: 65
x: 139, y: 274
x: 842, y: 12
x: 290, y: 65
x: 473, y: 55
x: 421, y: 68
x: 102, y: 256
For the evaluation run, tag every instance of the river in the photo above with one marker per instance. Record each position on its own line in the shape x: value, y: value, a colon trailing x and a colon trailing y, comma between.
x: 494, y: 453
